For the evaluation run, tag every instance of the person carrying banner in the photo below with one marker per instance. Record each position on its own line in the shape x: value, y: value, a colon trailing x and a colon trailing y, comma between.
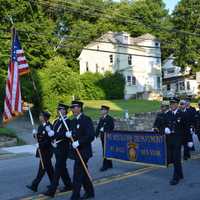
x: 44, y: 149
x: 82, y: 132
x: 175, y: 125
x: 105, y: 125
x: 61, y: 151
x: 159, y: 124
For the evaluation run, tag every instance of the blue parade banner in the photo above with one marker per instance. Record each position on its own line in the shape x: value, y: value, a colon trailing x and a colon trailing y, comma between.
x: 136, y: 146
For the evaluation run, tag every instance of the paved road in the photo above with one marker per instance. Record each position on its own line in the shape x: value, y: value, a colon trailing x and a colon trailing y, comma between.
x: 20, y: 168
x: 126, y: 181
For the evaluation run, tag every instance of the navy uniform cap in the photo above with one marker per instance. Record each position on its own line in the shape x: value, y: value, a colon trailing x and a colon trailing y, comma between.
x: 45, y: 114
x: 76, y: 104
x: 62, y: 106
x: 103, y: 107
x: 174, y: 100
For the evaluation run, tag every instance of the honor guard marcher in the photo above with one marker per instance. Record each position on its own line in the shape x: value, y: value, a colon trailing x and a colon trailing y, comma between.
x: 191, y: 113
x: 61, y: 150
x: 159, y: 124
x: 175, y: 125
x: 187, y: 130
x: 197, y: 122
x: 105, y: 125
x: 44, y: 151
x: 82, y: 131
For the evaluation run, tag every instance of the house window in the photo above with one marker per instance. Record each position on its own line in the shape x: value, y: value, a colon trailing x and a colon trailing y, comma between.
x: 158, y: 82
x: 102, y: 69
x: 170, y: 70
x: 182, y: 85
x: 157, y: 61
x: 130, y: 59
x: 87, y: 67
x: 97, y: 68
x: 176, y: 87
x: 157, y: 44
x: 168, y: 87
x: 188, y: 85
x: 131, y: 80
x: 111, y: 58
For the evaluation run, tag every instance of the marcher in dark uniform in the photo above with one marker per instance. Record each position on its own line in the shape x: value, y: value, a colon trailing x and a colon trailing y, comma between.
x: 197, y: 122
x: 45, y: 148
x: 187, y: 131
x: 191, y: 115
x: 105, y: 125
x: 82, y: 131
x: 159, y: 124
x: 61, y: 151
x: 175, y: 124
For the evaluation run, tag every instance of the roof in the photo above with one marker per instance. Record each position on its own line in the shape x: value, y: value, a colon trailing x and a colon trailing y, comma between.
x: 112, y: 37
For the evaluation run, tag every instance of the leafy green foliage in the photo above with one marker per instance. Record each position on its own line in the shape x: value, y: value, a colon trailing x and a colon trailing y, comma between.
x: 186, y: 18
x: 43, y: 29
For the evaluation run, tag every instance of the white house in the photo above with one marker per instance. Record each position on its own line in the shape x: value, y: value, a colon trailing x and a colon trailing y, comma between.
x: 177, y: 82
x: 138, y: 59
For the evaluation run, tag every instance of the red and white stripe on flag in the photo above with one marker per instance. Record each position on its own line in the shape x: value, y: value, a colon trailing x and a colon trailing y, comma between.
x: 22, y: 63
x: 18, y: 66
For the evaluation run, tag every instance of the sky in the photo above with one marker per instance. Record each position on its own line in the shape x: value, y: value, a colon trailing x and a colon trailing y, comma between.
x: 170, y: 4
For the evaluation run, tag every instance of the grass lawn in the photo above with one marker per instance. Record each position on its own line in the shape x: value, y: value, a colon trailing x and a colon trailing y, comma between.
x: 10, y: 133
x: 117, y: 107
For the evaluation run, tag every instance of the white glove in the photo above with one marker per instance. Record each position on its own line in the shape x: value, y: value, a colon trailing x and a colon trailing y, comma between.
x: 37, y: 145
x: 47, y: 128
x: 49, y: 131
x: 191, y: 131
x: 54, y: 144
x: 34, y: 131
x: 167, y: 131
x: 190, y: 144
x: 68, y: 134
x: 75, y: 144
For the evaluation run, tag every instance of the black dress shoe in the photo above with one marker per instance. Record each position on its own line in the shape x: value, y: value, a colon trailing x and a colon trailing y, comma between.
x: 174, y: 182
x: 66, y: 188
x: 102, y: 169
x: 49, y: 193
x: 87, y: 196
x: 32, y: 187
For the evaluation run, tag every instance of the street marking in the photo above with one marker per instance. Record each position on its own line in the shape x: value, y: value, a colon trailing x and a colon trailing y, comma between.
x: 108, y: 180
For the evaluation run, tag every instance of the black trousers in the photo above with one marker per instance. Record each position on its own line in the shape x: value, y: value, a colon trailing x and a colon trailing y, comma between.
x: 60, y: 171
x: 80, y: 179
x: 186, y: 150
x: 48, y: 167
x: 106, y: 163
x: 174, y: 156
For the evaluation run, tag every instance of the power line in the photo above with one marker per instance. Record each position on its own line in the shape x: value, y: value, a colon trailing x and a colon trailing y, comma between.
x: 98, y: 41
x: 124, y: 21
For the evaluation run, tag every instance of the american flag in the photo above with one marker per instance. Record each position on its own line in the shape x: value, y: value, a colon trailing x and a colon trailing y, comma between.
x: 17, y: 66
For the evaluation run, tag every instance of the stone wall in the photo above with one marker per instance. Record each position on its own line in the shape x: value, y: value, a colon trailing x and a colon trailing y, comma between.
x: 136, y: 122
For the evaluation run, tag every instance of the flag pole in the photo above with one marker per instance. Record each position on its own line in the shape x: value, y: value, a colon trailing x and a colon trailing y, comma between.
x: 77, y: 151
x: 33, y: 124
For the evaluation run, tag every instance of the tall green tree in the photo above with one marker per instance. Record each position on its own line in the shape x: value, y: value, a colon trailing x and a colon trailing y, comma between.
x: 186, y: 17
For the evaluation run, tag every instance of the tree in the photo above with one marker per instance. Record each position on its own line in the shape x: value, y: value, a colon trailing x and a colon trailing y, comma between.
x: 186, y: 17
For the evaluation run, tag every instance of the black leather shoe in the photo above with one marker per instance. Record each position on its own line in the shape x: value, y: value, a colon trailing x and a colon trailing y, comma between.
x: 49, y: 193
x: 66, y: 188
x: 32, y: 187
x: 87, y: 196
x: 174, y: 182
x: 103, y: 169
